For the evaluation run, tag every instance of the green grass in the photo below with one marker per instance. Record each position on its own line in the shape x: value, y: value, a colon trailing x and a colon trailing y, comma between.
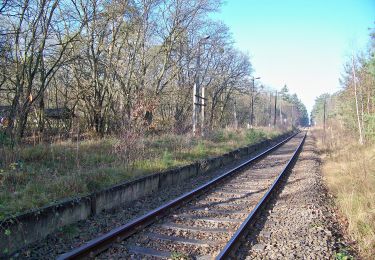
x: 34, y: 176
x: 179, y: 256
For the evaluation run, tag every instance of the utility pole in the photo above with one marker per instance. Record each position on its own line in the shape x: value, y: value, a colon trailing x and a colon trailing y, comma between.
x: 252, y: 101
x: 202, y: 111
x: 292, y: 116
x: 196, y: 96
x: 195, y: 107
x: 324, y: 120
x: 235, y: 114
x: 281, y: 113
x: 270, y: 110
x: 274, y: 117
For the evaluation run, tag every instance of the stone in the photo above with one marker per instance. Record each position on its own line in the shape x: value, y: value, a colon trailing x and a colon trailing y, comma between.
x: 258, y: 247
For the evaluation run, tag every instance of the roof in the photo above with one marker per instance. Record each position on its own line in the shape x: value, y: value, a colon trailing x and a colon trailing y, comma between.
x: 58, y: 113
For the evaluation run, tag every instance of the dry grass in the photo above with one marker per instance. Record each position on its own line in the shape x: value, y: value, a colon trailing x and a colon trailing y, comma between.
x: 34, y: 176
x: 349, y: 171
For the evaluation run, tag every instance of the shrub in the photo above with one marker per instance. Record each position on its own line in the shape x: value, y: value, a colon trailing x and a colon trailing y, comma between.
x: 253, y: 136
x: 169, y: 142
x: 5, y: 139
x: 370, y: 127
x: 167, y: 159
x: 217, y: 136
x: 201, y: 149
x: 129, y: 147
x: 35, y: 153
x: 232, y: 135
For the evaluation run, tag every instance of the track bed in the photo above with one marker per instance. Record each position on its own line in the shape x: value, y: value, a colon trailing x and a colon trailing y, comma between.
x: 206, y: 223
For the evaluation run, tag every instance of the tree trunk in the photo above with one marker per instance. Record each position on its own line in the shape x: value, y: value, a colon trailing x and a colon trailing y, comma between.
x: 356, y: 103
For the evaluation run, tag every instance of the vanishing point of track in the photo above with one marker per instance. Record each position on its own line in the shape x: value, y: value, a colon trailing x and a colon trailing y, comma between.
x: 205, y: 223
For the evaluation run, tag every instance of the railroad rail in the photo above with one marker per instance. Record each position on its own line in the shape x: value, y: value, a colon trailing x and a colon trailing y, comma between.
x: 207, y: 222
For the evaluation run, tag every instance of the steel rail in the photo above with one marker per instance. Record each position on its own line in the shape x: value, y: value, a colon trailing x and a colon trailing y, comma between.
x: 235, y: 241
x: 103, y: 242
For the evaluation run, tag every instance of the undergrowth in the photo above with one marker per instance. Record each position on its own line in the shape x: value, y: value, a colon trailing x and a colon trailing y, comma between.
x: 349, y: 171
x: 34, y: 176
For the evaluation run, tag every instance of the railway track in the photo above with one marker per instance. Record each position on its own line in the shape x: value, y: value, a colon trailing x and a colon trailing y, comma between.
x: 205, y: 223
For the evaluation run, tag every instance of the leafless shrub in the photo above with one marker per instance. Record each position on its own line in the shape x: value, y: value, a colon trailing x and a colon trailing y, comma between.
x: 129, y: 147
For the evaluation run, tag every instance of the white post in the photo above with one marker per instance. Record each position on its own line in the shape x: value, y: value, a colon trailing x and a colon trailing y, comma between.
x: 196, y: 92
x: 235, y: 114
x: 202, y: 115
x: 194, y: 109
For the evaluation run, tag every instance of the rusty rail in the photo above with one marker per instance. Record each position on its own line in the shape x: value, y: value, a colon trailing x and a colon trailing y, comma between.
x: 230, y: 248
x: 101, y: 243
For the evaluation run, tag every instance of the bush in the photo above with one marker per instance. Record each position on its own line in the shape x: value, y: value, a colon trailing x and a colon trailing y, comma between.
x: 35, y: 153
x: 7, y: 151
x: 232, y: 135
x: 167, y: 159
x: 168, y: 142
x: 5, y: 139
x: 217, y: 136
x: 253, y: 136
x: 129, y: 147
x: 201, y: 149
x: 370, y: 127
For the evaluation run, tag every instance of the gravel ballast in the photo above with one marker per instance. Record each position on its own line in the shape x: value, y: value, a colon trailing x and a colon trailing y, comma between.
x: 300, y: 222
x: 222, y: 207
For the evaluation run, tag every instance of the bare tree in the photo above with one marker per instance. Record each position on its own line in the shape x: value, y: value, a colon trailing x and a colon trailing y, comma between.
x: 38, y: 34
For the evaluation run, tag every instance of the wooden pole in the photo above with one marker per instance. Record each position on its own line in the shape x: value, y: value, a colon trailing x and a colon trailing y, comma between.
x: 274, y: 116
x: 235, y: 114
x: 252, y: 104
x: 324, y: 121
x: 270, y: 111
x: 196, y: 92
x: 292, y: 116
x: 281, y: 113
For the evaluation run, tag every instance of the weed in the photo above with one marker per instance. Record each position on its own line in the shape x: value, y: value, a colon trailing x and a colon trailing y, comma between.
x: 5, y: 139
x: 70, y: 231
x: 7, y: 232
x: 217, y: 136
x: 254, y: 136
x: 201, y: 149
x: 316, y: 224
x: 167, y: 159
x: 232, y: 136
x: 179, y: 256
x: 343, y: 254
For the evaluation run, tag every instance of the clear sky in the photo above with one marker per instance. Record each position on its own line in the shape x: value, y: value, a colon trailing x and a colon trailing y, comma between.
x: 301, y: 43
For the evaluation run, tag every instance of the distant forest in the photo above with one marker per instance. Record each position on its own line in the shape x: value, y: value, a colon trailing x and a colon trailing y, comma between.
x: 352, y: 109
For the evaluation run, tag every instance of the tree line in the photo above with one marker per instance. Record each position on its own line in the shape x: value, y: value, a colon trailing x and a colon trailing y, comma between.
x: 112, y: 65
x: 353, y: 107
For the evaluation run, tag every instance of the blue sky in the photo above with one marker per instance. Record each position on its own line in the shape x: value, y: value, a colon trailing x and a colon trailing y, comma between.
x: 303, y: 44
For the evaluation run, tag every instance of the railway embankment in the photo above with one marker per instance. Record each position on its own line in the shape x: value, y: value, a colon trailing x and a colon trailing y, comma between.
x: 25, y: 229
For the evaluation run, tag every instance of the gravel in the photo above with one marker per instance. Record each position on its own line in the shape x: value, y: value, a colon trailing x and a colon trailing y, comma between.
x: 216, y: 204
x: 300, y: 223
